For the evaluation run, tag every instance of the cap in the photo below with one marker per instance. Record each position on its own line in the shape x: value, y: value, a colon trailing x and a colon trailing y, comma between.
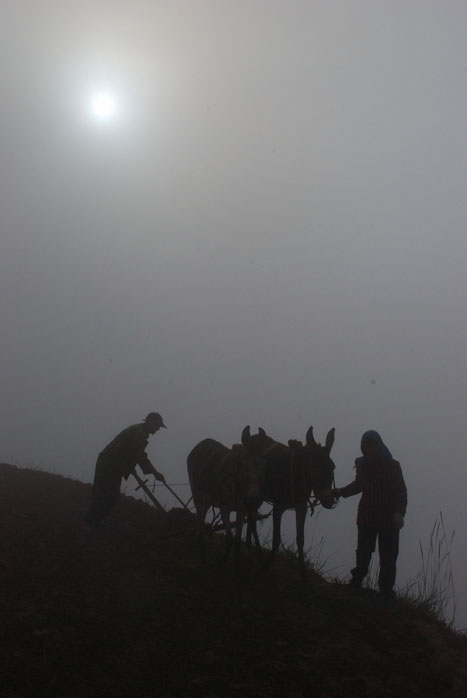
x: 155, y: 419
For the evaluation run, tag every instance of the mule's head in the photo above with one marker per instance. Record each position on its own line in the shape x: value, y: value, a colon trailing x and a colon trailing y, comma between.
x: 323, y: 467
x: 256, y: 445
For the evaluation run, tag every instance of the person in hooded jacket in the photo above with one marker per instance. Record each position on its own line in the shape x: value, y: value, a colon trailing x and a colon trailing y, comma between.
x: 118, y: 460
x: 381, y: 510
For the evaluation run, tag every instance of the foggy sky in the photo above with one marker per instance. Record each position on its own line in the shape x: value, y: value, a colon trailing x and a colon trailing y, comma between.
x: 271, y: 232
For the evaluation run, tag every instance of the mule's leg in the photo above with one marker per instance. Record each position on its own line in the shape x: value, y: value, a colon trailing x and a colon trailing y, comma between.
x: 300, y: 516
x: 225, y: 516
x: 276, y: 532
x: 240, y: 517
x: 201, y: 511
x: 252, y: 530
x: 276, y: 527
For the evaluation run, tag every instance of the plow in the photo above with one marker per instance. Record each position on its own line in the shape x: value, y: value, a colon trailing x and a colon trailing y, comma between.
x: 216, y: 523
x: 142, y: 484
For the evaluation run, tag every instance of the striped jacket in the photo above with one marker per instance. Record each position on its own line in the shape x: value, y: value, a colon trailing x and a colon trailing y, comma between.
x: 383, y: 492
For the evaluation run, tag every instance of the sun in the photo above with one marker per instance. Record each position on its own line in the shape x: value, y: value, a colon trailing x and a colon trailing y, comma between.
x: 103, y: 106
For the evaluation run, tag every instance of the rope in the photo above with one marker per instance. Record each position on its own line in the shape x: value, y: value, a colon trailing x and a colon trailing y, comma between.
x: 172, y: 484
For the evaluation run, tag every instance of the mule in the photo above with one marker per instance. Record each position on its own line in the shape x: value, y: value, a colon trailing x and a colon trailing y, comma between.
x: 293, y: 472
x: 229, y: 480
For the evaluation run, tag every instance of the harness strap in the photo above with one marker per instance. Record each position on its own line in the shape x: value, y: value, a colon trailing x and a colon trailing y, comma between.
x: 292, y: 483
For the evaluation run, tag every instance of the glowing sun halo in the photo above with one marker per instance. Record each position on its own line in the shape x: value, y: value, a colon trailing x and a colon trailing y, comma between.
x: 103, y: 106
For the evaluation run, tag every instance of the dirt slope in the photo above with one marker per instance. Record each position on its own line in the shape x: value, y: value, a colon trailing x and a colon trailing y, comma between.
x: 129, y: 611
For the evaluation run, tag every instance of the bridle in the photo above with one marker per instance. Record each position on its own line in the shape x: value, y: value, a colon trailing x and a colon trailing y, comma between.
x: 316, y: 501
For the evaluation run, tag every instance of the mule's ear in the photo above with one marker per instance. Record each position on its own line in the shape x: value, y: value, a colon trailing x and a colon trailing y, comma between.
x: 310, y: 439
x: 246, y: 435
x: 329, y: 439
x: 261, y: 431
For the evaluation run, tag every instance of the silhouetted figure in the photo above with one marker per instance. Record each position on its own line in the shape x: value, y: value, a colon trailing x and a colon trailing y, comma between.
x: 381, y: 510
x: 119, y: 459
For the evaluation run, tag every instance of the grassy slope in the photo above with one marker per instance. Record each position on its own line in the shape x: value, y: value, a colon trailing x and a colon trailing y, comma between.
x: 131, y: 611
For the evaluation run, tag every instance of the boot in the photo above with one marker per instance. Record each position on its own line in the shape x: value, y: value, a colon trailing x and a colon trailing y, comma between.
x: 356, y: 579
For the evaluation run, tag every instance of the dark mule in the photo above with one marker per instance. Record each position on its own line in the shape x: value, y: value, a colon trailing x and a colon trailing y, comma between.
x: 228, y: 479
x: 293, y: 472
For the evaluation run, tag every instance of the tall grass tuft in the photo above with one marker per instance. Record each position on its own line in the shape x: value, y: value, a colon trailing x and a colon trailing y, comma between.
x: 433, y: 587
x: 314, y: 552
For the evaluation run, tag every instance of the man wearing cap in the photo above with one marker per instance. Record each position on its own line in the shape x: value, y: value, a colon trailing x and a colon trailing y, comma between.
x: 119, y: 459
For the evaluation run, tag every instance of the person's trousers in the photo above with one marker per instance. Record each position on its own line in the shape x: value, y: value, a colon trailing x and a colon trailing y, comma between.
x: 105, y: 491
x: 388, y: 548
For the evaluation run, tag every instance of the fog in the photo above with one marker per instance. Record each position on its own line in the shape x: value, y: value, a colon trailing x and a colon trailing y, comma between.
x: 270, y: 231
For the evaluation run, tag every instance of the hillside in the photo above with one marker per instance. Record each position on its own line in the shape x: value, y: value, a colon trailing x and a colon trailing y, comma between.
x: 130, y: 611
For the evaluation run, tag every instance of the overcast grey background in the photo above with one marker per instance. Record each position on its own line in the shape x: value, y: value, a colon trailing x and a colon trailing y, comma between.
x: 271, y: 232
